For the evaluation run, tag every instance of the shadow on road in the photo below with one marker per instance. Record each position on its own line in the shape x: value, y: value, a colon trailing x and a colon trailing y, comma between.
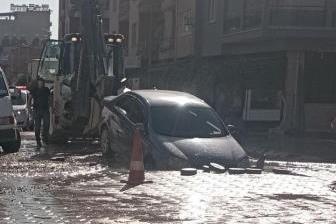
x: 48, y: 152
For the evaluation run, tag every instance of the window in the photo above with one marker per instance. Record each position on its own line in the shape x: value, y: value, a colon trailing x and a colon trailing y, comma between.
x: 134, y: 35
x: 253, y: 13
x: 265, y: 99
x: 70, y: 62
x: 319, y: 78
x: 115, y: 5
x: 232, y: 15
x: 130, y: 108
x: 298, y: 13
x: 212, y: 10
x: 19, y: 99
x: 186, y: 22
x: 298, y: 17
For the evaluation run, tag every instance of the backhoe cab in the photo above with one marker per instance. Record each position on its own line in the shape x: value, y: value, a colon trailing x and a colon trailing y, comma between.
x: 81, y: 70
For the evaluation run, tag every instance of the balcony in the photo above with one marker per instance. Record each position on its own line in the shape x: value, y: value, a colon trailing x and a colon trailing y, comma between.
x: 281, y: 20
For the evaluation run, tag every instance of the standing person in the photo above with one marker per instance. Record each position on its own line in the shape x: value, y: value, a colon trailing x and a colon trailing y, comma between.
x: 40, y: 97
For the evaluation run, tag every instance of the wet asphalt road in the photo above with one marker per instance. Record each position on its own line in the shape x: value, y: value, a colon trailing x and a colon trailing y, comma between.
x: 74, y: 184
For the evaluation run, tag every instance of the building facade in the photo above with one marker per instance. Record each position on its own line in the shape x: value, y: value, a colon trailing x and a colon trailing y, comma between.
x: 265, y: 61
x: 69, y: 16
x: 21, y: 33
x: 25, y: 23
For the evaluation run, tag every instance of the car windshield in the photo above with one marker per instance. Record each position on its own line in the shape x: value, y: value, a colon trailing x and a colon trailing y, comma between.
x: 187, y: 122
x: 19, y: 99
x: 3, y: 88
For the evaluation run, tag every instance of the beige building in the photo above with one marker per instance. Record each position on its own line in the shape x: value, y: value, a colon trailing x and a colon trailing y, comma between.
x: 25, y: 22
x: 69, y: 16
x: 21, y: 33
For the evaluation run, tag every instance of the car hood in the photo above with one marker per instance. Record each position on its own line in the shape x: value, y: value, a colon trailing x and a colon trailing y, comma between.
x: 202, y: 151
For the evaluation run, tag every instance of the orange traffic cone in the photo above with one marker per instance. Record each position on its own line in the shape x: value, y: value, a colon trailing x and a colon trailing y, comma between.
x: 137, y: 169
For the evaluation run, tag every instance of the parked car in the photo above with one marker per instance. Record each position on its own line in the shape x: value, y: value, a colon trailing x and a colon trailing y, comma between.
x: 178, y: 130
x: 10, y: 139
x: 24, y: 118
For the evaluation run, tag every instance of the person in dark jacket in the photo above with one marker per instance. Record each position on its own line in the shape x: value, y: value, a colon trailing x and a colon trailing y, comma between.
x: 40, y: 97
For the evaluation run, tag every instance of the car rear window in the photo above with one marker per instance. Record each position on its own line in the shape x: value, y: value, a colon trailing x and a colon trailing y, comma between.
x: 3, y: 87
x: 19, y: 99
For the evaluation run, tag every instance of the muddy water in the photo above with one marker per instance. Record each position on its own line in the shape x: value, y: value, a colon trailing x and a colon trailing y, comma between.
x: 73, y: 184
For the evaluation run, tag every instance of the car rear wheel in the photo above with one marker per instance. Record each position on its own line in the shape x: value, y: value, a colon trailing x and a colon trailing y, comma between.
x: 105, y: 142
x: 12, y: 147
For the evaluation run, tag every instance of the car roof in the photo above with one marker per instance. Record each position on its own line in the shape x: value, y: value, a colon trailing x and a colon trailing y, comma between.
x: 168, y: 98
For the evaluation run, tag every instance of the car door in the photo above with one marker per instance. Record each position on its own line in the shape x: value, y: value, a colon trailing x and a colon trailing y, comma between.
x: 134, y: 115
x: 129, y: 112
x: 116, y: 119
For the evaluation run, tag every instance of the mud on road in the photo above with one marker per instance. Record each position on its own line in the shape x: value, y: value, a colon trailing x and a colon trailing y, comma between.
x: 74, y: 184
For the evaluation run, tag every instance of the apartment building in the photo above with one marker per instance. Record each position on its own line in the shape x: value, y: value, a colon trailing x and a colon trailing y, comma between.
x: 69, y: 16
x: 25, y: 23
x: 258, y: 60
x: 249, y: 54
x: 286, y: 46
x: 21, y: 33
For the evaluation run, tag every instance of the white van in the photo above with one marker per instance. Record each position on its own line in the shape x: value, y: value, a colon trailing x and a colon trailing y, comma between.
x: 10, y: 139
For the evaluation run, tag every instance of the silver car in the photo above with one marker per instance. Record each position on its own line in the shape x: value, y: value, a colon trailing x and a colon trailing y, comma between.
x: 178, y: 130
x: 20, y: 106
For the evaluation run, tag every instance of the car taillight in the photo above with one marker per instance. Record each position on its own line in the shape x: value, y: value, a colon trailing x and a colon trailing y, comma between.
x: 7, y: 120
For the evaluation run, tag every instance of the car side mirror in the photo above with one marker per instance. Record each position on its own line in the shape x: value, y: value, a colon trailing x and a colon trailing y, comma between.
x: 232, y: 129
x: 235, y: 133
